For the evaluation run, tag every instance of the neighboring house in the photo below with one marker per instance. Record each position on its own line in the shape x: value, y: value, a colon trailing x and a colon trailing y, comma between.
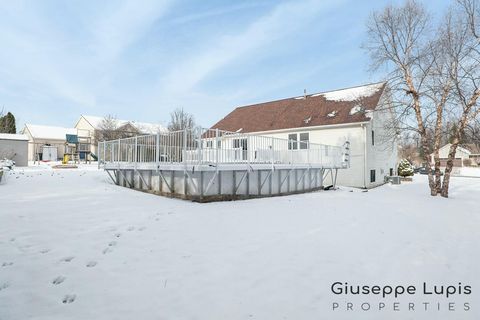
x: 46, y: 143
x: 353, y: 114
x: 14, y: 147
x: 89, y: 126
x: 465, y: 154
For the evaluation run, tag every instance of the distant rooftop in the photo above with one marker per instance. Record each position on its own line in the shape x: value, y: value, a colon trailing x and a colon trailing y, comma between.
x: 13, y: 136
x: 143, y: 127
x: 48, y: 132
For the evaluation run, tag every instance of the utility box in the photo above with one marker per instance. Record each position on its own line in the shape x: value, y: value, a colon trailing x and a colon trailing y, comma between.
x: 393, y: 179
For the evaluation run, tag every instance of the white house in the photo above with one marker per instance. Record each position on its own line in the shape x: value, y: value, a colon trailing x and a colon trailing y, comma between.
x: 359, y: 115
x: 87, y: 126
x: 46, y: 142
x: 468, y: 152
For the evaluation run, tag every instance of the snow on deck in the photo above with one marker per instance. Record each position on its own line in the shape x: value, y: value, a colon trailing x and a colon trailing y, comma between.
x: 75, y: 246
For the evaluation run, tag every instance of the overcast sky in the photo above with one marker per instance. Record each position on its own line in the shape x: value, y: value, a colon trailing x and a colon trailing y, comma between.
x: 139, y: 60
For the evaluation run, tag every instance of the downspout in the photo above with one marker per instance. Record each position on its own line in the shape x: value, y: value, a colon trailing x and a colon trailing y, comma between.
x: 365, y: 157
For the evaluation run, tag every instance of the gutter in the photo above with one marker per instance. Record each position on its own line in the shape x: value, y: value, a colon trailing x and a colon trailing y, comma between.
x: 351, y: 124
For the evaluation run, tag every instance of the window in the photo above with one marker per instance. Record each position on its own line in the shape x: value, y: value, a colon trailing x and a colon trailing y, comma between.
x: 292, y: 141
x: 373, y: 138
x: 241, y: 144
x: 372, y: 175
x: 209, y: 144
x: 391, y: 172
x: 238, y: 143
x: 219, y: 144
x: 304, y: 137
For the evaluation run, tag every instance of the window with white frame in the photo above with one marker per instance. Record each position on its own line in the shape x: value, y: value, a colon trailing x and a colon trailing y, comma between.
x: 292, y: 141
x: 304, y: 140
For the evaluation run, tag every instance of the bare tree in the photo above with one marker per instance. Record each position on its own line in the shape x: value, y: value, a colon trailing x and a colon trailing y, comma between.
x: 180, y: 119
x: 472, y: 12
x: 426, y: 66
x: 398, y: 39
x: 108, y: 129
x: 464, y: 51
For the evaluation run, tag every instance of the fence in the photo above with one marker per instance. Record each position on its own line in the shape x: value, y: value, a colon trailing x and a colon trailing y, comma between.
x: 215, y: 147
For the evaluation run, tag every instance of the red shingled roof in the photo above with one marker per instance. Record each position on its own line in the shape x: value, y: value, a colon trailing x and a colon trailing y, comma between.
x: 301, y: 112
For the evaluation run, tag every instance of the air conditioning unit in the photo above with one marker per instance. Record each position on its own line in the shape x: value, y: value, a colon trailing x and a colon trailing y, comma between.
x: 393, y: 179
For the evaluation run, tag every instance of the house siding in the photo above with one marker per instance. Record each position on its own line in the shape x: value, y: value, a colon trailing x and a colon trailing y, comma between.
x: 381, y: 155
x: 353, y: 176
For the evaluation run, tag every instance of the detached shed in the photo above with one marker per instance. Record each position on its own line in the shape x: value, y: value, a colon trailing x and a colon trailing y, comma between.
x: 14, y: 147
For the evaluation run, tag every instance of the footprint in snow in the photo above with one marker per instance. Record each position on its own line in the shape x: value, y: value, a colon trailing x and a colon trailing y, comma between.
x: 131, y: 228
x: 44, y: 251
x: 118, y: 235
x: 112, y: 243
x: 4, y: 286
x: 69, y: 298
x: 107, y: 250
x: 142, y: 228
x: 67, y: 259
x: 58, y: 280
x: 91, y: 264
x: 6, y: 264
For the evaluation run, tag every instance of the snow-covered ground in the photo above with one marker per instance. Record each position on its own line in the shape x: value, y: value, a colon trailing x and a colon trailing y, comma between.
x: 74, y: 246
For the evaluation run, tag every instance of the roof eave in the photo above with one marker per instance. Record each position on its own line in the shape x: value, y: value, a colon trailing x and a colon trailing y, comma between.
x: 327, y: 126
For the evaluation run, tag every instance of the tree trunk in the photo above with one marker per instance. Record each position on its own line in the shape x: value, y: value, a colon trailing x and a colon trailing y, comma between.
x: 448, y: 168
x: 421, y: 129
x: 438, y: 177
x: 456, y: 140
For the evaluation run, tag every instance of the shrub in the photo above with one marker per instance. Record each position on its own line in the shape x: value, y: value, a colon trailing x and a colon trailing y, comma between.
x: 405, y: 169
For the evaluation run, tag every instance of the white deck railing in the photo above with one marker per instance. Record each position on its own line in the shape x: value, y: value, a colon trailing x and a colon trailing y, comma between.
x: 215, y: 147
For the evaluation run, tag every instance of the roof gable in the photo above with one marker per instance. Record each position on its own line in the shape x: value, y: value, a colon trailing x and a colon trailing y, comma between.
x: 328, y: 108
x: 49, y: 132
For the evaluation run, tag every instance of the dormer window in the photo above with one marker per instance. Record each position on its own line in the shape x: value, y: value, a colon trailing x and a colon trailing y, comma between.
x: 356, y: 109
x: 332, y: 114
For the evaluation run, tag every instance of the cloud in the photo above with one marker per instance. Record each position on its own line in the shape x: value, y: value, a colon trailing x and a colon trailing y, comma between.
x: 44, y: 54
x: 283, y: 20
x: 216, y: 12
x: 124, y: 24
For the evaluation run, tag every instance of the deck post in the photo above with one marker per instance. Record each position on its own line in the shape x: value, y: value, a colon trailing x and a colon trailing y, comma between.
x: 234, y: 182
x: 135, y: 152
x: 271, y: 152
x: 216, y: 148
x: 118, y: 153
x: 248, y: 151
x: 219, y: 181
x: 201, y: 184
x: 259, y: 181
x: 280, y: 181
x: 184, y: 147
x: 199, y: 145
x: 104, y: 154
x: 157, y: 150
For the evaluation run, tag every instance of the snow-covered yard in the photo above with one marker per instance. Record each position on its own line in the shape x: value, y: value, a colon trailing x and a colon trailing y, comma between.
x: 74, y: 246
